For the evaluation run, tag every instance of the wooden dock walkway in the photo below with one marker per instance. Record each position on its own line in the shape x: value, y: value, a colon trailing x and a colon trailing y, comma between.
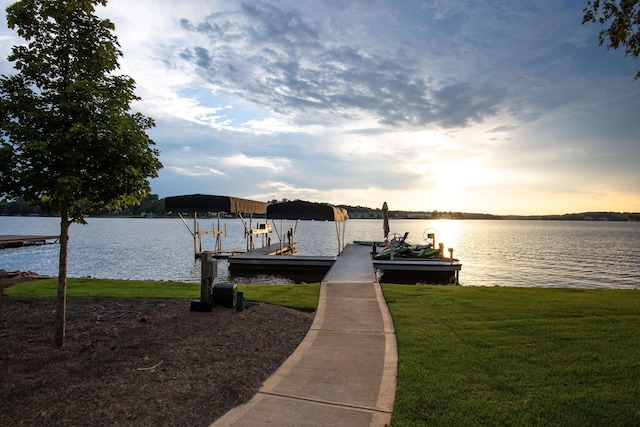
x: 16, y: 241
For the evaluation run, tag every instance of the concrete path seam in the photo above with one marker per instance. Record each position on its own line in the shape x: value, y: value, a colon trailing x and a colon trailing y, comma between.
x: 326, y: 402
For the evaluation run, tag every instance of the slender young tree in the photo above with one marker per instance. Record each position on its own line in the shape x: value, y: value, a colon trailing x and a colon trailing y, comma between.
x: 623, y: 18
x: 68, y: 141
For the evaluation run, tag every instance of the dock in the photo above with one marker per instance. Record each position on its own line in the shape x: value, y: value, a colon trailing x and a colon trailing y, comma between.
x: 16, y: 241
x: 344, y: 371
x: 278, y: 260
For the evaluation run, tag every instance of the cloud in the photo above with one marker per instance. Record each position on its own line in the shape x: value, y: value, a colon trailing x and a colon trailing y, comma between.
x: 274, y: 164
x: 269, y: 125
x: 195, y: 170
x: 490, y: 106
x: 291, y: 65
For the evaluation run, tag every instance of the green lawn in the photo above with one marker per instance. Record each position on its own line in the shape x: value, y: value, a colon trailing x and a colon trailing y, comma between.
x: 106, y: 288
x: 477, y: 356
x: 300, y: 297
x: 516, y: 356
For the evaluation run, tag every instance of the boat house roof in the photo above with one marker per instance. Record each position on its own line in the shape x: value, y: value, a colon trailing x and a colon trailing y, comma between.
x: 208, y: 203
x: 299, y: 209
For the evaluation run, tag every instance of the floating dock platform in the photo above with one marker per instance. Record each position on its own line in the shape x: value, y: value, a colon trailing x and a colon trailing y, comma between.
x: 16, y: 241
x: 273, y: 259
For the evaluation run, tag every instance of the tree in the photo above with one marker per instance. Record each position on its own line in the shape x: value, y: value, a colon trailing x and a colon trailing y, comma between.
x: 149, y: 205
x: 68, y: 141
x: 624, y: 28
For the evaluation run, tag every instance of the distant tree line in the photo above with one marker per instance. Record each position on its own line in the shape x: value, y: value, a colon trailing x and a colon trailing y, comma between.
x: 596, y: 216
x: 19, y: 207
x: 151, y: 205
x: 364, y: 212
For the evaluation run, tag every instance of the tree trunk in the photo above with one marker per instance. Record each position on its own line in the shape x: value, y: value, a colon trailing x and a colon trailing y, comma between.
x: 61, y: 305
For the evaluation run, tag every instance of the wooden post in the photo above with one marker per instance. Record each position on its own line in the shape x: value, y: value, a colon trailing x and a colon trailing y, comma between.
x: 208, y: 272
x: 199, y: 240
x: 219, y: 234
x: 195, y: 236
x: 282, y: 237
x: 252, y: 245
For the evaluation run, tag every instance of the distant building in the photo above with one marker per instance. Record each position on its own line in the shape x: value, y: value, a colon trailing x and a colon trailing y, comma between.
x: 365, y: 215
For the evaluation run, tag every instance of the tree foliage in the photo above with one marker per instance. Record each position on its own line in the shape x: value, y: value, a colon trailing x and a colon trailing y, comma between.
x: 68, y: 141
x: 623, y: 18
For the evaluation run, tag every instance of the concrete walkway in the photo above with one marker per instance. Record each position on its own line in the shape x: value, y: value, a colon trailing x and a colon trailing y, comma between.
x: 344, y: 371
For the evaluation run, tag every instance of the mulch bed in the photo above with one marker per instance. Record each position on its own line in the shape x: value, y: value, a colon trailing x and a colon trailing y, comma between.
x: 136, y: 362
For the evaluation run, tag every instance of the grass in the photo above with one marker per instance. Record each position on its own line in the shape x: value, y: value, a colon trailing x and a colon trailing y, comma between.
x: 477, y: 356
x: 300, y: 297
x: 106, y: 288
x: 516, y: 356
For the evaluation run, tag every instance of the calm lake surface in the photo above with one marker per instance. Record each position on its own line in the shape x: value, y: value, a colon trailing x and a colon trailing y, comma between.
x: 493, y: 253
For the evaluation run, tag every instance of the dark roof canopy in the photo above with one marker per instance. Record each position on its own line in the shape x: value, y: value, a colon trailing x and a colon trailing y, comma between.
x: 299, y: 209
x: 207, y: 203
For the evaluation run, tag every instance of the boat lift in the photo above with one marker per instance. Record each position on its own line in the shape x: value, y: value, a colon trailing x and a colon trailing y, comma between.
x: 218, y: 204
x: 301, y: 210
x: 278, y: 258
x: 194, y: 203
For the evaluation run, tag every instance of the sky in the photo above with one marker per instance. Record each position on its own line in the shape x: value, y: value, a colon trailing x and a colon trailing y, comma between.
x: 495, y: 106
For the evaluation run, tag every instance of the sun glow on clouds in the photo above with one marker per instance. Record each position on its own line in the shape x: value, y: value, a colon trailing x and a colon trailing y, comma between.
x: 461, y: 182
x: 275, y: 164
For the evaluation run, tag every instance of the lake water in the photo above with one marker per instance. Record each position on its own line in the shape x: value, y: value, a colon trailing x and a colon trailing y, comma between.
x: 493, y: 253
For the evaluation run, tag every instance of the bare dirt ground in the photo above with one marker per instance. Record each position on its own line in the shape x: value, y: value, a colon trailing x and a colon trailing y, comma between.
x: 136, y: 362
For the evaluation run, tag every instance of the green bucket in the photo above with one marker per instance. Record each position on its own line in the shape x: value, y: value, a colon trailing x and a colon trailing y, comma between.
x: 239, y: 301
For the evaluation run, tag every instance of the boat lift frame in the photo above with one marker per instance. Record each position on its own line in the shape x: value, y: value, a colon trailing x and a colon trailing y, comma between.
x: 220, y: 205
x: 302, y: 210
